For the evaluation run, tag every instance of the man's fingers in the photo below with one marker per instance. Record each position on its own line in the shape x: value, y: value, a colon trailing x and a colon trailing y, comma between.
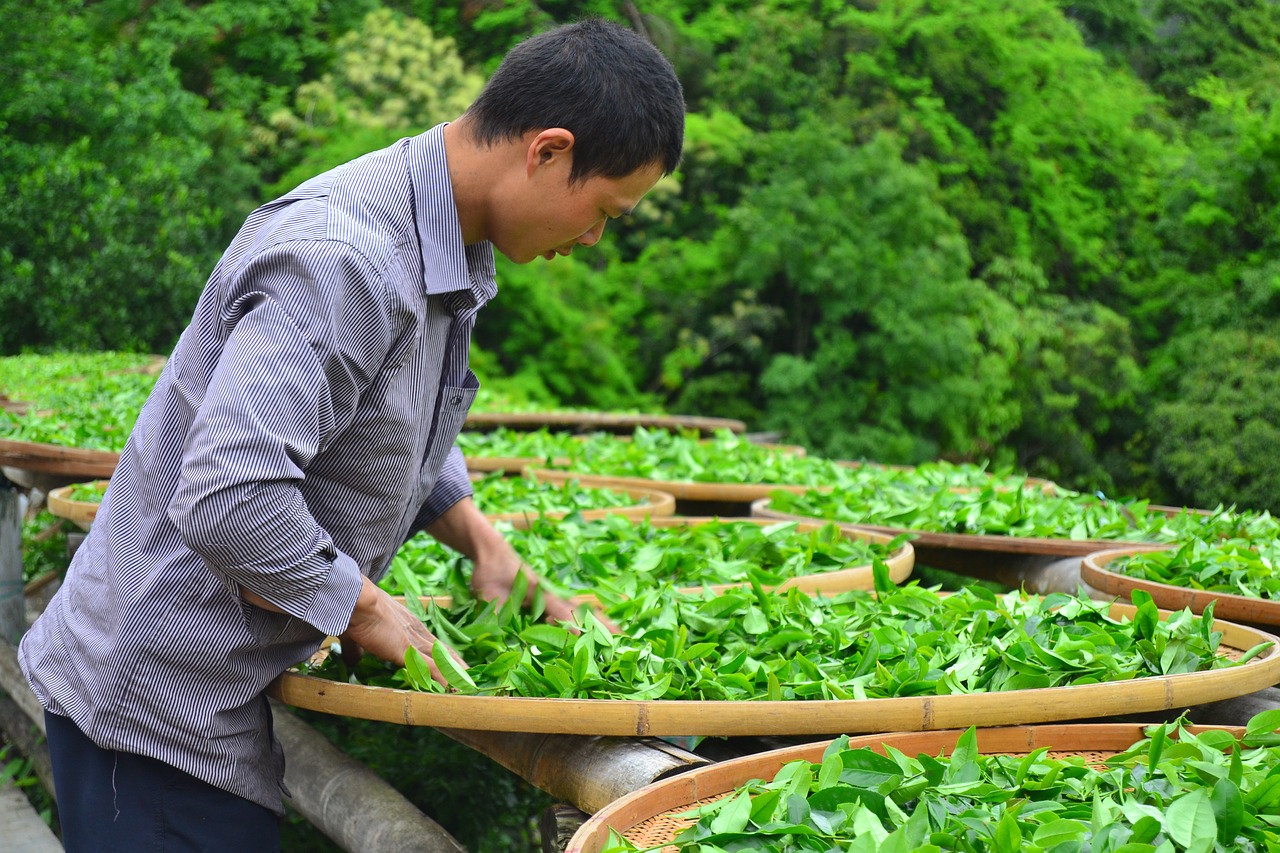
x: 352, y: 651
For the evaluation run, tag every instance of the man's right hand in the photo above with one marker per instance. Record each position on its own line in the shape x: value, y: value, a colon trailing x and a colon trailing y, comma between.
x: 383, y: 627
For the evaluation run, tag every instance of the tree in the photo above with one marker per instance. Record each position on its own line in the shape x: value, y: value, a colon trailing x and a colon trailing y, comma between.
x: 121, y: 187
x: 390, y: 78
x: 1214, y: 437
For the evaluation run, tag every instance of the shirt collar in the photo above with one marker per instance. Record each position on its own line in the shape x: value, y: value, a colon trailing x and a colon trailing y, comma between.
x: 447, y: 264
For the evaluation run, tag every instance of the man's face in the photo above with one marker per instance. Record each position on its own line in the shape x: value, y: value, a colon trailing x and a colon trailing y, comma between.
x: 553, y: 216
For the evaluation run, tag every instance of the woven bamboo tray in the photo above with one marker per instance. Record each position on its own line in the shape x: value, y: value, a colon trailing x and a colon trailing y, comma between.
x: 649, y: 816
x: 598, y: 421
x: 653, y: 504
x: 681, y: 489
x: 1040, y: 483
x: 516, y: 464
x: 800, y: 717
x: 57, y: 460
x: 1031, y: 545
x: 81, y: 512
x: 900, y: 563
x: 1239, y: 608
x: 509, y: 465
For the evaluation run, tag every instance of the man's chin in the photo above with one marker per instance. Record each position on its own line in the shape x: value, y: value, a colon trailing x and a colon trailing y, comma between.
x: 526, y: 258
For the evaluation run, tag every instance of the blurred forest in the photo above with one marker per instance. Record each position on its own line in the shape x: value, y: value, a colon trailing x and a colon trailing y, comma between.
x: 1036, y: 232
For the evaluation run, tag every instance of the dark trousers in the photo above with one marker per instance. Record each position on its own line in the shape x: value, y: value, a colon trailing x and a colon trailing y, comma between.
x: 118, y: 802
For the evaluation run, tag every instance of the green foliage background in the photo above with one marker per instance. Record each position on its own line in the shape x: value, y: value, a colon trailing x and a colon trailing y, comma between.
x: 1041, y: 233
x: 1044, y: 233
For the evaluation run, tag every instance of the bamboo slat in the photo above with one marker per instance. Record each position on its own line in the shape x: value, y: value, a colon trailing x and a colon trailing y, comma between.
x: 801, y: 717
x: 648, y: 817
x: 1239, y: 608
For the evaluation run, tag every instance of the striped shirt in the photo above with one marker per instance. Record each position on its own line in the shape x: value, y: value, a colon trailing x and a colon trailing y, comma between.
x: 302, y: 429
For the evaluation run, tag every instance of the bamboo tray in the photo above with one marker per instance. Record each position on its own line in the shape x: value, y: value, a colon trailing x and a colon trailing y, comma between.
x: 1031, y: 545
x: 601, y: 421
x: 1040, y: 483
x: 57, y: 460
x: 900, y: 563
x: 681, y: 489
x: 799, y: 717
x: 654, y: 504
x: 649, y: 817
x: 81, y: 512
x: 1240, y: 608
x: 517, y: 464
x: 510, y: 465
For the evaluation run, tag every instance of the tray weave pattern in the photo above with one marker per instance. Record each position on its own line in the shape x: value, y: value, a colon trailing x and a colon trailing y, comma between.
x: 662, y: 828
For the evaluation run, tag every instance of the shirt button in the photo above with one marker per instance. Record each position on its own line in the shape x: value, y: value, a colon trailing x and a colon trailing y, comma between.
x: 456, y: 400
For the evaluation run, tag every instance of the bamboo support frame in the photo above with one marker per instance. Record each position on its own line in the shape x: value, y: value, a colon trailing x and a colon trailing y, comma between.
x: 587, y: 772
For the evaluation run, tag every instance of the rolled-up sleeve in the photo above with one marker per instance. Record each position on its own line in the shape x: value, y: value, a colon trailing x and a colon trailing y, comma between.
x: 286, y: 382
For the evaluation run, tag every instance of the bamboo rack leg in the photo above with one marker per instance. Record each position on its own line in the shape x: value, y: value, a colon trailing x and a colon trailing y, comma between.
x: 584, y: 771
x: 557, y: 824
x: 12, y: 607
x: 350, y: 804
x: 21, y: 731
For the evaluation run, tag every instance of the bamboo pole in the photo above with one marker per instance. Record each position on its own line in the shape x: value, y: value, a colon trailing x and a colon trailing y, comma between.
x: 17, y: 728
x: 586, y: 772
x: 557, y: 825
x: 350, y: 804
x: 12, y: 606
x: 1037, y: 574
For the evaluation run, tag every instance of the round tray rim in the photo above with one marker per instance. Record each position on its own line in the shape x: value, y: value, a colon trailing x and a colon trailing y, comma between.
x: 657, y: 504
x: 616, y: 420
x: 900, y: 563
x: 971, y: 541
x: 681, y: 489
x: 682, y: 792
x: 510, y: 465
x: 58, y: 459
x: 1242, y: 608
x: 81, y: 512
x: 795, y: 717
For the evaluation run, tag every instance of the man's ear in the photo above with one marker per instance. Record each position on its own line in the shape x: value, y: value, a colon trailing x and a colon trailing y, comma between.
x: 553, y: 146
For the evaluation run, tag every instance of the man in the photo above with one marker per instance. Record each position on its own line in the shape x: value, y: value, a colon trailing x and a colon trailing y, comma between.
x: 303, y: 428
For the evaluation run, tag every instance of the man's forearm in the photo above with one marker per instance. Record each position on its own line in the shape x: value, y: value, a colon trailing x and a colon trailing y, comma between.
x: 465, y: 529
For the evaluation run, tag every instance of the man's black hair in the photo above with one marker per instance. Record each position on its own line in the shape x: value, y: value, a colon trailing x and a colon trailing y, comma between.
x: 606, y: 84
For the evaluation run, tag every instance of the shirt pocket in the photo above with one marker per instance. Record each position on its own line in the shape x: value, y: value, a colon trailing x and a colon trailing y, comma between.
x: 455, y: 405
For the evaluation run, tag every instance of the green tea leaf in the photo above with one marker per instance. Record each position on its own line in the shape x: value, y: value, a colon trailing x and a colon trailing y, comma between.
x: 453, y: 672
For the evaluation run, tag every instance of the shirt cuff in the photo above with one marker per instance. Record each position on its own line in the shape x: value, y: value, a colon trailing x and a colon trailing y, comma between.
x: 334, y: 602
x: 452, y: 485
